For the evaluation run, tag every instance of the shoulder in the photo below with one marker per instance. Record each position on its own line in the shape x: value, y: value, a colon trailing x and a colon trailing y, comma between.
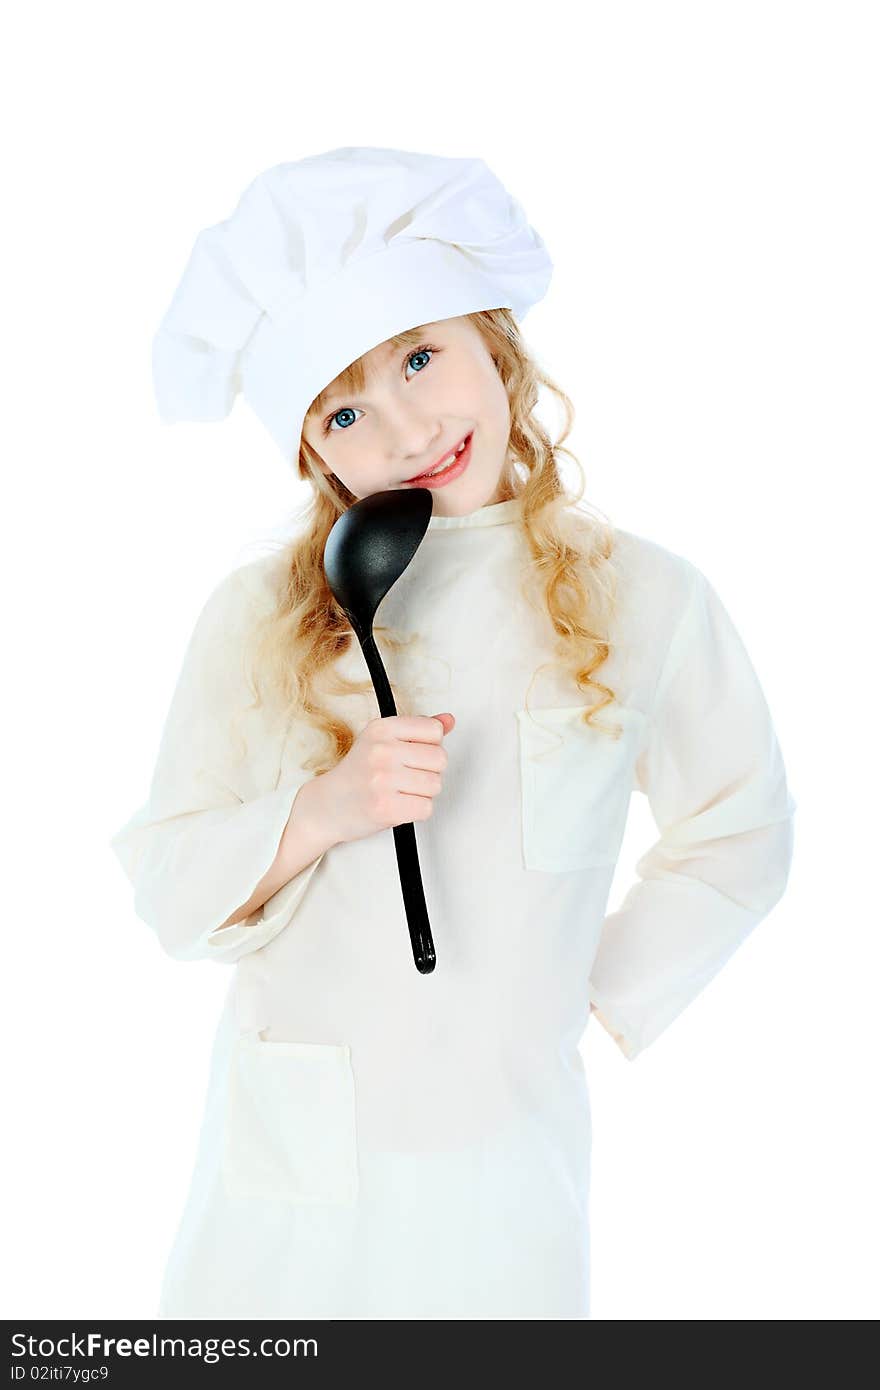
x: 648, y: 575
x: 665, y: 594
x: 260, y: 580
x: 256, y: 583
x: 655, y: 591
x: 653, y: 574
x: 241, y: 597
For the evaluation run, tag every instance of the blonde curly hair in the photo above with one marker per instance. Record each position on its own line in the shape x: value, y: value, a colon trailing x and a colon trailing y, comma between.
x: 569, y: 574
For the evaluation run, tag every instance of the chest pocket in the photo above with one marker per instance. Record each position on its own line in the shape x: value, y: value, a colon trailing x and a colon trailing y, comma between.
x: 290, y: 1122
x: 575, y: 784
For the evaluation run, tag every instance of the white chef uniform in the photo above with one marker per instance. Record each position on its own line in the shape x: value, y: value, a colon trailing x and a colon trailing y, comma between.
x: 383, y: 1144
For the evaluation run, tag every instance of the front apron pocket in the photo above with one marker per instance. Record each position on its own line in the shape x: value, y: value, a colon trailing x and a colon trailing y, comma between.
x: 290, y: 1131
x: 575, y: 784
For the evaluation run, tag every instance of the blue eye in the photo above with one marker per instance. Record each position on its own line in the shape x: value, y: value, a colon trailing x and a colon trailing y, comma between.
x: 420, y: 352
x: 346, y: 410
x: 349, y: 411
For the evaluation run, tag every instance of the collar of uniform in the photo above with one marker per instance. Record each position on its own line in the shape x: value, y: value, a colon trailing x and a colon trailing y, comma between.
x: 494, y: 514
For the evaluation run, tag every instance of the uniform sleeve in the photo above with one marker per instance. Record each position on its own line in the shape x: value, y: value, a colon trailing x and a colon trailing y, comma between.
x: 713, y: 773
x: 195, y: 851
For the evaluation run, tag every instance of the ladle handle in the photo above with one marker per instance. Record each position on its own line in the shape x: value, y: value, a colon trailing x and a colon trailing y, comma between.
x: 404, y: 835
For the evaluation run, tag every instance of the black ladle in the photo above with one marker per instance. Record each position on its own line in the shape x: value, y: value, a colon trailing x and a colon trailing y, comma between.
x: 366, y: 552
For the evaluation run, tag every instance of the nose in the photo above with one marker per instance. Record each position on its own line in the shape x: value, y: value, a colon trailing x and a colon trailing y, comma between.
x: 417, y: 442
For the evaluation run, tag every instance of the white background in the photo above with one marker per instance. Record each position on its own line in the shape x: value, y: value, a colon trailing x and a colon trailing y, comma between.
x: 705, y: 177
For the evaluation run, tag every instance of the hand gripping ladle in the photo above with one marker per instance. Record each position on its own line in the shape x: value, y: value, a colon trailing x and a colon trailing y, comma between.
x: 366, y: 552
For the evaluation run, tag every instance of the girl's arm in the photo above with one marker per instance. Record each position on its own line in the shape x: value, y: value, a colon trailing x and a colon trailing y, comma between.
x: 207, y: 835
x: 714, y: 777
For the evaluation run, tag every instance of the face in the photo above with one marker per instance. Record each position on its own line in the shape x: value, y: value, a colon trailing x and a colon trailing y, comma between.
x: 417, y: 407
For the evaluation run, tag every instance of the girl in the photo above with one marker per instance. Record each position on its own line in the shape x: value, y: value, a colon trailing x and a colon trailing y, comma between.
x: 379, y: 1143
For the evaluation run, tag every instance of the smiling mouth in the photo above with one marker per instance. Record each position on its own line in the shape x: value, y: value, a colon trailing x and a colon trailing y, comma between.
x: 446, y: 462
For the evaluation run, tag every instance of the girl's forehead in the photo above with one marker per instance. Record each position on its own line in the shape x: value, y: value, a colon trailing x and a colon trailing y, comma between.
x: 376, y: 360
x: 385, y: 353
x: 390, y: 346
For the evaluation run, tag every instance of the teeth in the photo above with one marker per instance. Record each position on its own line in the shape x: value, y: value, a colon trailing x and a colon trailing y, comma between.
x: 441, y: 466
x: 448, y: 461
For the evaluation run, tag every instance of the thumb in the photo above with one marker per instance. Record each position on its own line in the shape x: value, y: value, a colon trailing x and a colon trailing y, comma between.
x: 447, y: 720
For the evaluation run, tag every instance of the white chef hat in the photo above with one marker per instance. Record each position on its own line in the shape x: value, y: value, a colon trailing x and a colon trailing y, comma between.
x: 323, y: 259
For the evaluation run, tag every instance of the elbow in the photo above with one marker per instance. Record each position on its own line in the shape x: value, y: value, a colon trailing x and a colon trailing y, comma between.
x: 178, y: 940
x: 763, y: 867
x: 782, y: 859
x: 181, y: 930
